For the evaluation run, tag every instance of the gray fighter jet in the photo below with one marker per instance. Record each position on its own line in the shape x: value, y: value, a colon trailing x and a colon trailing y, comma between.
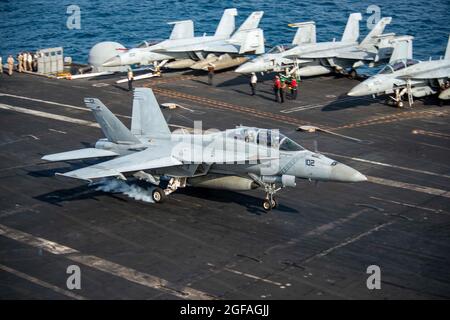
x: 243, y: 158
x: 406, y: 76
x: 224, y: 49
x: 306, y: 57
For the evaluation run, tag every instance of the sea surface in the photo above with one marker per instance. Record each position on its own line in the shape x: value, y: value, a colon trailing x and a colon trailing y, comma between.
x: 34, y: 24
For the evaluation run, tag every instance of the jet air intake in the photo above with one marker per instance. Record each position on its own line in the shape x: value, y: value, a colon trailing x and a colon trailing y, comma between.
x: 285, y: 180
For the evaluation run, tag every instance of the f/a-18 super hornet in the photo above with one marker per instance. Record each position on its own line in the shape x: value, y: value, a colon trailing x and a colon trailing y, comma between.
x: 225, y: 49
x: 405, y: 76
x: 306, y: 57
x: 243, y: 158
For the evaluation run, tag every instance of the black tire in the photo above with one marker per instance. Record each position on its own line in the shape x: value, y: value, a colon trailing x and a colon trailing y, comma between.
x: 353, y: 74
x: 274, y: 203
x: 158, y: 195
x: 267, y: 206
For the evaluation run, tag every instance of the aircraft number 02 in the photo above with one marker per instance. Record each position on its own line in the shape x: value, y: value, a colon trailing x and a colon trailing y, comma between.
x: 310, y: 162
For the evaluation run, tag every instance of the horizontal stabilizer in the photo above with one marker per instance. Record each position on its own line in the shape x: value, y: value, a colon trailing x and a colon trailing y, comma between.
x: 79, y: 154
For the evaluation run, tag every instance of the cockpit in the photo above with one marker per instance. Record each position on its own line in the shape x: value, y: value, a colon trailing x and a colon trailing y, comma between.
x: 266, y: 137
x: 280, y: 48
x: 147, y: 43
x: 398, y: 65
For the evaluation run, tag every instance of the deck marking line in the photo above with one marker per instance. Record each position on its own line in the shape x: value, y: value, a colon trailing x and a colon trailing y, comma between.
x: 112, y: 268
x: 409, y: 186
x: 41, y: 283
x: 388, y: 165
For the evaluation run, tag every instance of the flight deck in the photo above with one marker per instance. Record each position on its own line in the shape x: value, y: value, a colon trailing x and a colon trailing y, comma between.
x: 212, y: 244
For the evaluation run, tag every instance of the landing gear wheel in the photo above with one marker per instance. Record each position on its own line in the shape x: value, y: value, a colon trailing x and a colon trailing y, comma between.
x: 353, y: 74
x: 399, y: 104
x: 158, y: 195
x: 267, y: 205
x: 274, y: 203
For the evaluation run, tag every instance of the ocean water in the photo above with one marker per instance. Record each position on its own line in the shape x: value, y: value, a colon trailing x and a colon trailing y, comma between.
x: 34, y: 24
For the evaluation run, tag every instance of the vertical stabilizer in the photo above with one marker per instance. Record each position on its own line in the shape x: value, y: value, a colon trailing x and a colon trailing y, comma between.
x: 373, y: 36
x: 306, y: 32
x: 351, y: 32
x: 252, y: 22
x: 403, y: 48
x: 113, y: 129
x: 147, y: 118
x: 227, y: 24
x: 182, y: 30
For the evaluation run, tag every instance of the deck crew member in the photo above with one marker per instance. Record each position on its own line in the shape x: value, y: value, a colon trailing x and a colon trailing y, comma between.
x: 282, y: 90
x: 210, y: 74
x: 24, y: 61
x: 10, y: 64
x: 130, y: 78
x: 30, y: 61
x: 253, y: 82
x: 276, y: 88
x: 35, y: 62
x: 20, y: 65
x: 294, y: 87
x: 1, y: 65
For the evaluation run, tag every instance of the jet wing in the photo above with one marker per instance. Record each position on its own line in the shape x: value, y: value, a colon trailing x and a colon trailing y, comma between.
x: 143, y: 160
x: 225, y: 48
x: 355, y: 55
x: 313, y: 54
x: 319, y: 54
x: 79, y: 154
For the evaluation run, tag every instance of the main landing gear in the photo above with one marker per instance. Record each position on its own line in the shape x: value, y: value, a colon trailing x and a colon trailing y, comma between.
x: 163, y: 186
x: 158, y: 195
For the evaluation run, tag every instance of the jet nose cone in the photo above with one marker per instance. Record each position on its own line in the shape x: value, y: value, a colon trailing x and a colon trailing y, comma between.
x: 343, y: 173
x: 113, y: 62
x: 360, y: 90
x: 247, y: 67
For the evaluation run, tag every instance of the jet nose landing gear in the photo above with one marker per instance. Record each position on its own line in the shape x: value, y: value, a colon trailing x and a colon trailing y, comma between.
x: 269, y: 204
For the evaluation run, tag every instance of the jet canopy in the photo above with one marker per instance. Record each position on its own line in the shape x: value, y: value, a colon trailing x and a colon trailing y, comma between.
x: 148, y: 43
x: 398, y: 65
x: 267, y: 137
x: 281, y: 48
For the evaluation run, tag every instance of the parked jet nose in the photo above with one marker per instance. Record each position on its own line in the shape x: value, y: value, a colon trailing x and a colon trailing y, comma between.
x: 361, y: 89
x: 342, y: 173
x: 251, y: 66
x: 113, y: 62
